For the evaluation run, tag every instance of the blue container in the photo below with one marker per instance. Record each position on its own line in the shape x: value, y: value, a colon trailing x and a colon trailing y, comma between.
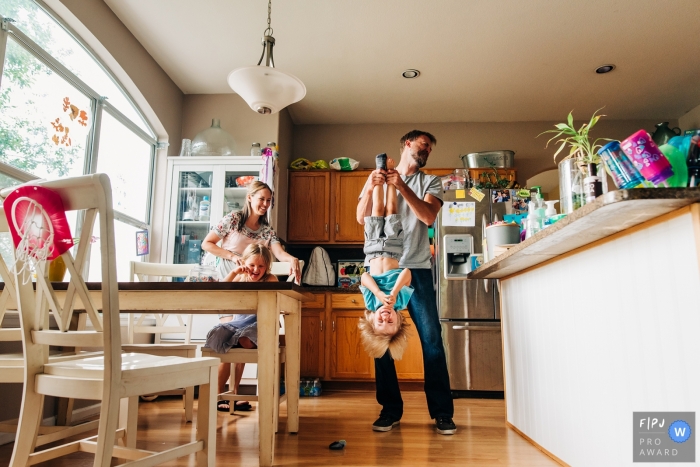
x: 624, y: 173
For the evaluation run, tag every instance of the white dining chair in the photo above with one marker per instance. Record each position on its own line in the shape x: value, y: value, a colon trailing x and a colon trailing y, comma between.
x: 239, y: 355
x: 12, y: 364
x: 112, y: 377
x: 177, y: 326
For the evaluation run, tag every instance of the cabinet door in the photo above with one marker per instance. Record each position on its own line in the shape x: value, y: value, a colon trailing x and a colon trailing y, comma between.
x: 348, y: 187
x: 190, y: 186
x: 309, y: 207
x: 348, y: 359
x: 438, y: 172
x: 411, y: 365
x: 312, y: 344
x: 312, y: 337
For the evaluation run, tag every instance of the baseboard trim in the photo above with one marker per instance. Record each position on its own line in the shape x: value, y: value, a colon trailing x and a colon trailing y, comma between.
x: 530, y: 440
x: 79, y: 415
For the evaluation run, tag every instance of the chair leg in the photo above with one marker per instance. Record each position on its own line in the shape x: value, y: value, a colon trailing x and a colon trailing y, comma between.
x: 27, y: 428
x: 276, y: 413
x: 128, y: 419
x: 188, y: 399
x: 109, y: 421
x: 206, y: 420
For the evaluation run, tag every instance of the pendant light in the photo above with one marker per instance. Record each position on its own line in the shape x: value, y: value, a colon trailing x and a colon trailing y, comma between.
x: 266, y: 89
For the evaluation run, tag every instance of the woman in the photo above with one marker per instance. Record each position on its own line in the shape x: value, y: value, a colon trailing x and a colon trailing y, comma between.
x: 236, y: 231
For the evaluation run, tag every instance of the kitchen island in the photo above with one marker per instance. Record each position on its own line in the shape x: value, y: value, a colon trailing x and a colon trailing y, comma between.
x: 601, y: 319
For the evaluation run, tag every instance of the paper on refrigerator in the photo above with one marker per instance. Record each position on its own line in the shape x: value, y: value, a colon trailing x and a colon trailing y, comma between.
x: 459, y: 214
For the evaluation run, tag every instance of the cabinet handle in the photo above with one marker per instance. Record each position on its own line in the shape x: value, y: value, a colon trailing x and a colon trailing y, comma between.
x: 326, y: 228
x: 321, y: 325
x: 333, y: 325
x: 352, y: 300
x: 336, y: 228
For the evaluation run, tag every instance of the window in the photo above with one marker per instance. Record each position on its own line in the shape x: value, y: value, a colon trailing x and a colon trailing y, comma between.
x: 63, y: 114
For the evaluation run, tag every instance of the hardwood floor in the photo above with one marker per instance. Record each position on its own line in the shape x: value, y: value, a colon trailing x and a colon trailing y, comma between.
x: 482, y: 438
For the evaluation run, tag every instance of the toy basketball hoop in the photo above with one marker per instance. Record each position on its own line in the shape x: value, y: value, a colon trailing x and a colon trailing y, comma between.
x: 38, y: 225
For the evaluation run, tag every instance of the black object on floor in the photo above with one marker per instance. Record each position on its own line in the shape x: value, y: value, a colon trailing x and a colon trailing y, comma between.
x: 337, y: 445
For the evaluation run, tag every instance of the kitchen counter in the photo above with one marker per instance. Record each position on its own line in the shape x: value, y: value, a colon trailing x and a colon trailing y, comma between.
x: 601, y: 319
x: 321, y: 289
x: 611, y: 213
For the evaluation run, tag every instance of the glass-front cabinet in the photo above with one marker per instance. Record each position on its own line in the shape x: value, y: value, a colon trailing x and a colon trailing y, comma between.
x: 201, y: 191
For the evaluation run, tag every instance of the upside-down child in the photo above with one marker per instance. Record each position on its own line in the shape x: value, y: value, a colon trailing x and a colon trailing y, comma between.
x: 387, y: 290
x: 240, y: 330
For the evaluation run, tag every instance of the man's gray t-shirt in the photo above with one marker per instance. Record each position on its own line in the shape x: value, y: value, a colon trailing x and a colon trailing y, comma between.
x: 416, y: 245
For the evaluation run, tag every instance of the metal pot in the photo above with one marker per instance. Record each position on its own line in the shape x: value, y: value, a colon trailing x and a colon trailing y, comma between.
x: 488, y: 159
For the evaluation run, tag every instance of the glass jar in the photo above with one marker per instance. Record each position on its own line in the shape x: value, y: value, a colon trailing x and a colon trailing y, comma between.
x: 186, y: 150
x: 213, y: 141
x: 255, y: 150
x: 200, y: 273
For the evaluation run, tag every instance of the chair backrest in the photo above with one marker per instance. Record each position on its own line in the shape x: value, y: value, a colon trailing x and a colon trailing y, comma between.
x: 179, y: 324
x: 93, y: 195
x: 282, y: 268
x: 8, y: 295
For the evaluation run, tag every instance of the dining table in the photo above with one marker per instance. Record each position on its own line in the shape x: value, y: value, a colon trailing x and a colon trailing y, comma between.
x: 266, y: 299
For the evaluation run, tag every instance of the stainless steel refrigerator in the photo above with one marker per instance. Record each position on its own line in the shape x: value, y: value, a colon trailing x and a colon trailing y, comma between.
x: 469, y: 309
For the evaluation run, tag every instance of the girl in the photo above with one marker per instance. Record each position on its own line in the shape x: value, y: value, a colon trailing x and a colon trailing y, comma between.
x: 240, y: 330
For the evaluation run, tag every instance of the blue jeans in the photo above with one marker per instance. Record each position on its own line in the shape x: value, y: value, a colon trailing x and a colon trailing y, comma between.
x: 423, y: 310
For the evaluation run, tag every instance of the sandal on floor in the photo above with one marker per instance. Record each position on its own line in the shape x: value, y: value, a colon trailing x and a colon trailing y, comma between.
x: 223, y: 406
x: 242, y: 406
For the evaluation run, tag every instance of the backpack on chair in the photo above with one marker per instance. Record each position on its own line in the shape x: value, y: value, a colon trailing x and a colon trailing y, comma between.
x: 320, y: 270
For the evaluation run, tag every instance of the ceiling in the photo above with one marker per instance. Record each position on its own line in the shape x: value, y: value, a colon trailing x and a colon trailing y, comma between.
x: 480, y: 60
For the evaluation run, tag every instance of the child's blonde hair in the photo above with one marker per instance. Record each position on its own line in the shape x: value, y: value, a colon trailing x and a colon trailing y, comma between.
x: 376, y: 344
x: 256, y: 249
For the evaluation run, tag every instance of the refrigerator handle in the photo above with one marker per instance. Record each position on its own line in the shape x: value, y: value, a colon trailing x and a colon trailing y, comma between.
x: 469, y: 327
x: 486, y: 285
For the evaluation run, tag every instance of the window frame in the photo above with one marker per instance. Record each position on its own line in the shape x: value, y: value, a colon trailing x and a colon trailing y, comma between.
x: 99, y: 104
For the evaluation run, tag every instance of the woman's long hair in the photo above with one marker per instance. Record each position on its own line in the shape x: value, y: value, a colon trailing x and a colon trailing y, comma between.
x: 253, y: 188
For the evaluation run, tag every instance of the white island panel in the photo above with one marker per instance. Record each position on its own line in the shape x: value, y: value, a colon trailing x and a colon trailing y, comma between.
x: 602, y: 332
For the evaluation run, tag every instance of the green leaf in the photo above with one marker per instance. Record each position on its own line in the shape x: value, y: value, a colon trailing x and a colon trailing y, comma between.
x: 570, y: 119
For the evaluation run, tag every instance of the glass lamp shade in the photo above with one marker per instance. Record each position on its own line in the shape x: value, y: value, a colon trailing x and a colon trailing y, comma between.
x: 213, y: 141
x: 265, y: 89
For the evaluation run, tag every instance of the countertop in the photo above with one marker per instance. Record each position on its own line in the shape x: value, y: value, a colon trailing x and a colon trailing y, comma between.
x: 610, y: 213
x: 319, y: 289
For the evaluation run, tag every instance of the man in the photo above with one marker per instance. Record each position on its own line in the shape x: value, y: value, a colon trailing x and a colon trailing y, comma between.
x: 419, y: 201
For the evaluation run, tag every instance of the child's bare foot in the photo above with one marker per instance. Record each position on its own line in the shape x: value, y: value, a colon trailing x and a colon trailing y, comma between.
x: 390, y: 165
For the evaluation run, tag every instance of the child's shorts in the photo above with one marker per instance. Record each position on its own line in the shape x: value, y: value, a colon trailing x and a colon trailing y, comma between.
x: 383, y: 237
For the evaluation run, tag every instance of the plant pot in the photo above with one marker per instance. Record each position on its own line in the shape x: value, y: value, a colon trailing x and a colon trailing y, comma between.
x: 57, y: 270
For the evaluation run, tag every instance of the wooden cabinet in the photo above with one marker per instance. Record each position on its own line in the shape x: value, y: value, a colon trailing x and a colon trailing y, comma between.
x: 411, y: 365
x: 322, y: 206
x: 348, y: 359
x: 309, y: 207
x: 312, y: 337
x: 348, y: 187
x: 331, y: 344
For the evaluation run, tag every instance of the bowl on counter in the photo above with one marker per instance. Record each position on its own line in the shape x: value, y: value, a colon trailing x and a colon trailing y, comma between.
x: 245, y: 180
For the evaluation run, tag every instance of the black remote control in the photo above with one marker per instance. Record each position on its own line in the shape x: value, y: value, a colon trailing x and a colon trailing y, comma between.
x: 380, y: 160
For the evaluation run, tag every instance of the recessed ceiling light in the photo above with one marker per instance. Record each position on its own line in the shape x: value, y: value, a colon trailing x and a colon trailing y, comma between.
x: 411, y: 74
x: 604, y: 69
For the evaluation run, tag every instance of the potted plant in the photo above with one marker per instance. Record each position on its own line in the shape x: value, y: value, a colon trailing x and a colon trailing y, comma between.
x: 580, y: 146
x: 574, y: 167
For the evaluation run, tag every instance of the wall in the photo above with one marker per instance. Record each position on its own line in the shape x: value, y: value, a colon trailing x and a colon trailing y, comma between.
x: 285, y: 141
x: 363, y: 142
x: 690, y: 120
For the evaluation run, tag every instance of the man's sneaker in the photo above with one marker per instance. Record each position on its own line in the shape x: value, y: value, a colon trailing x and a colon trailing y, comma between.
x: 445, y: 426
x: 384, y: 423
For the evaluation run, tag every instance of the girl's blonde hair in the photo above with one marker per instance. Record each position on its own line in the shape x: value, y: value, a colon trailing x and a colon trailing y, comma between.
x: 376, y: 344
x: 257, y: 249
x: 247, y: 208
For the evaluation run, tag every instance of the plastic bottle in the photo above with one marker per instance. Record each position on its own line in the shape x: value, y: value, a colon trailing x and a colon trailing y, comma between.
x: 204, y: 209
x: 316, y: 390
x: 534, y: 222
x: 592, y: 185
